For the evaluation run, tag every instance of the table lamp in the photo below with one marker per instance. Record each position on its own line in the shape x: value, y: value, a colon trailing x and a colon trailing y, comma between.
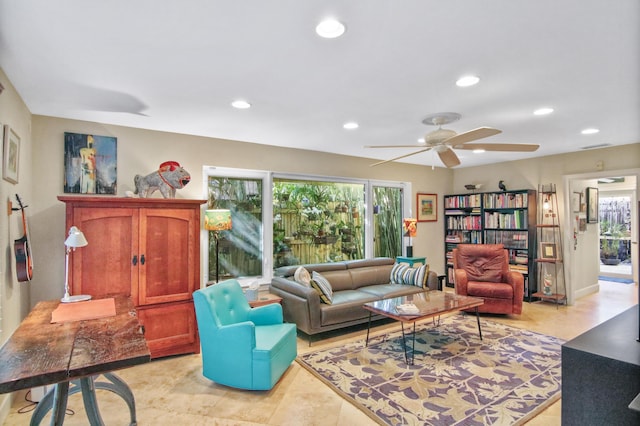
x: 216, y: 221
x: 75, y: 239
x: 410, y: 226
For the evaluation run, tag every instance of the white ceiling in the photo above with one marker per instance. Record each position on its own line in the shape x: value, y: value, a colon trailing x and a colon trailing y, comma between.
x: 177, y: 65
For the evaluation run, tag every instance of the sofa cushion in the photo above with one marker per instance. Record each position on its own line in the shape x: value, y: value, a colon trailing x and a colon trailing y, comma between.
x: 340, y: 280
x: 404, y: 274
x: 302, y: 276
x: 490, y: 290
x: 384, y: 291
x: 347, y: 306
x: 323, y: 287
x: 370, y: 275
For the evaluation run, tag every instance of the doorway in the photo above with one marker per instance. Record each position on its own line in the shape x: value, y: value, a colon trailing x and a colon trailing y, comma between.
x: 616, y: 208
x: 582, y: 256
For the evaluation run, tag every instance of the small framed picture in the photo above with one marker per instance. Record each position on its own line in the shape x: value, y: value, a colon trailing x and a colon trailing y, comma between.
x: 548, y: 250
x: 582, y: 225
x: 11, y: 155
x: 576, y: 200
x: 592, y: 205
x: 427, y: 207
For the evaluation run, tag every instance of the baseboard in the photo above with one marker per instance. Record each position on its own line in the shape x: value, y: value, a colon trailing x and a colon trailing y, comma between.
x: 6, y: 401
x: 587, y: 290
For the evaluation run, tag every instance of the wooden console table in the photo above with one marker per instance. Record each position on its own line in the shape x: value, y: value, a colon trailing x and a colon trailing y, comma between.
x: 72, y: 355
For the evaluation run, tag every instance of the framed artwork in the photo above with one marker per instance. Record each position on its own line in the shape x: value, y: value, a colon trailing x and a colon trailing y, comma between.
x: 592, y: 205
x: 548, y: 250
x: 582, y: 224
x: 576, y: 200
x: 90, y: 164
x: 427, y: 207
x: 10, y: 155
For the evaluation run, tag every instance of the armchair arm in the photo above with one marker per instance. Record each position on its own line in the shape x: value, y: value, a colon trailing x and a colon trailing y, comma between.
x: 460, y: 280
x: 266, y: 315
x: 516, y: 280
x: 240, y: 336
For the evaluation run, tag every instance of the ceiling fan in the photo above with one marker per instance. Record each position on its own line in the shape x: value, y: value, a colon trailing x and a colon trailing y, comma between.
x: 444, y: 141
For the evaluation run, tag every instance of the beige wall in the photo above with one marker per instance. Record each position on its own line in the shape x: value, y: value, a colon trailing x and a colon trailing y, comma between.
x: 14, y: 296
x: 141, y: 151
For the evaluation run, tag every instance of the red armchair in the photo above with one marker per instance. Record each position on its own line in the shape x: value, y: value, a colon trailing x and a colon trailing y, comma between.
x: 482, y: 270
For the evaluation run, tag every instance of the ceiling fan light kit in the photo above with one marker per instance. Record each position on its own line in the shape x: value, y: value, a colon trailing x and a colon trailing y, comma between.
x: 444, y: 141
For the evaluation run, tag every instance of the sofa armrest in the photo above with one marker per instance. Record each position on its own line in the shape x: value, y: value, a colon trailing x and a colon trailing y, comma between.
x: 460, y: 280
x: 300, y: 304
x: 432, y: 281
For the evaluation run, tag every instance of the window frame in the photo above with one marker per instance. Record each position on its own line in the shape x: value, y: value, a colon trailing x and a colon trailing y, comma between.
x: 267, y: 178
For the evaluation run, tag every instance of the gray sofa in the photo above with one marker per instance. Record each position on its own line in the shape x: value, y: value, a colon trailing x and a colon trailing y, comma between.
x: 353, y: 282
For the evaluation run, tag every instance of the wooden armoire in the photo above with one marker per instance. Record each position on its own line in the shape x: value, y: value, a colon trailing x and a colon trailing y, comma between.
x: 145, y: 248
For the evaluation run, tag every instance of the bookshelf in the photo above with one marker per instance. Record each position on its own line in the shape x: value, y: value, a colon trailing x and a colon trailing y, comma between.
x: 506, y: 217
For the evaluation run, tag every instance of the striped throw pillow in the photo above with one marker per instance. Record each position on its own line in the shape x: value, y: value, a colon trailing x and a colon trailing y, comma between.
x: 323, y: 287
x: 401, y: 273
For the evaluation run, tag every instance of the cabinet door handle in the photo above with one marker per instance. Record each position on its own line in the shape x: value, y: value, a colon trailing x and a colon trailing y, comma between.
x: 134, y: 260
x: 142, y: 259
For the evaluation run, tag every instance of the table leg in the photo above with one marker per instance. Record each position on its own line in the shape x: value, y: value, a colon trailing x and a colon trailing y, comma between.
x: 413, y: 344
x: 478, y: 319
x: 55, y: 399
x: 408, y: 360
x: 58, y: 399
x: 90, y: 402
x: 52, y: 400
x: 368, y: 328
x: 404, y: 344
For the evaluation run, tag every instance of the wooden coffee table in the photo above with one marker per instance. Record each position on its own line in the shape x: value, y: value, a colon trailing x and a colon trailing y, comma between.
x: 430, y: 304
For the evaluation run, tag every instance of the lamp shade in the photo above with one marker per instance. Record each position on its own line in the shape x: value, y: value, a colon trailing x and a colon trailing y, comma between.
x: 76, y: 238
x: 217, y: 220
x: 410, y: 226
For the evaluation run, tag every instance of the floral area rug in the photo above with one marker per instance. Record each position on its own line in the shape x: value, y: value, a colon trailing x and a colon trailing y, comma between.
x: 456, y: 379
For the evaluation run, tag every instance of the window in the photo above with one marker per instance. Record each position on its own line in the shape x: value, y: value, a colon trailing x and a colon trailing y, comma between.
x: 387, y: 221
x: 309, y: 219
x: 317, y: 221
x: 240, y: 252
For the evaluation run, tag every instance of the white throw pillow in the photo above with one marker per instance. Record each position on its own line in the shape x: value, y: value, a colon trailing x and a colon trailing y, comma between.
x: 301, y: 276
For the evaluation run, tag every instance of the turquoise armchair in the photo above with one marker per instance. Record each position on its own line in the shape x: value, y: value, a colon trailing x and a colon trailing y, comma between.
x: 242, y: 347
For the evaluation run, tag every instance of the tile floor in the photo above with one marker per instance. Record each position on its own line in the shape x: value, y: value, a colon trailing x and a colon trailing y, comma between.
x: 173, y: 392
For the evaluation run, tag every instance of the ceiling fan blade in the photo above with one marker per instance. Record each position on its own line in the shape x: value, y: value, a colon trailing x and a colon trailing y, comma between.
x: 415, y: 145
x: 448, y: 157
x: 472, y: 135
x: 514, y: 147
x: 398, y: 158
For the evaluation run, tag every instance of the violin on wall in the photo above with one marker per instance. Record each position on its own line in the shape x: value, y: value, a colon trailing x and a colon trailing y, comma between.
x: 22, y: 249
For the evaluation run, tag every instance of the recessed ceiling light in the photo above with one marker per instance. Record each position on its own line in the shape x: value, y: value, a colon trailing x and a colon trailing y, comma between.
x: 421, y: 140
x: 467, y: 80
x: 351, y: 125
x: 240, y: 104
x: 478, y: 151
x: 590, y: 131
x: 543, y: 111
x: 330, y: 28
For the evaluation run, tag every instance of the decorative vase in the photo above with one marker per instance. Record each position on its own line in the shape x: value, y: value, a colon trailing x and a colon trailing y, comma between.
x: 409, y: 251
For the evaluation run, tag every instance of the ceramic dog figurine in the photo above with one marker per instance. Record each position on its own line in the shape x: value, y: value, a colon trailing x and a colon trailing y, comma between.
x: 169, y: 177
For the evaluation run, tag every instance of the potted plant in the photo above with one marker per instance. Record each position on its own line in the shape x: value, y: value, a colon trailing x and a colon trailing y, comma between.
x: 610, y: 233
